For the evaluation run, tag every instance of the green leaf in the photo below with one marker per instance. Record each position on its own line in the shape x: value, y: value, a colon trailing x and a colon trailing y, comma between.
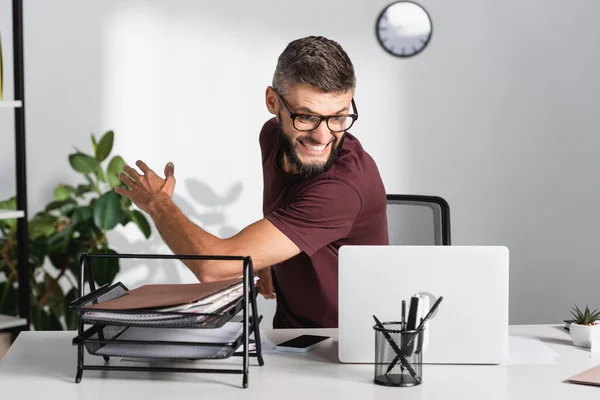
x: 70, y: 315
x: 105, y: 146
x: 54, y: 205
x: 94, y: 142
x: 105, y: 269
x: 44, y: 320
x: 9, y: 204
x: 142, y: 223
x: 585, y: 317
x: 60, y: 238
x: 37, y: 251
x: 83, y: 215
x: 8, y: 299
x: 55, y: 298
x: 126, y: 202
x: 83, y: 163
x: 11, y: 223
x: 63, y: 192
x: 107, y: 211
x: 115, y: 167
x: 126, y: 216
x: 83, y: 189
x: 100, y: 174
x: 58, y: 257
x: 68, y: 209
x: 42, y: 225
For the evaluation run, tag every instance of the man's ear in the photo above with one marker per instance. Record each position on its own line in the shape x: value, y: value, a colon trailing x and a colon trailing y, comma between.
x: 271, y: 100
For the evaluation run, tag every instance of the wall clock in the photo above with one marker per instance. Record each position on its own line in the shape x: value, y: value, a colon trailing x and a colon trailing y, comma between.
x: 403, y: 29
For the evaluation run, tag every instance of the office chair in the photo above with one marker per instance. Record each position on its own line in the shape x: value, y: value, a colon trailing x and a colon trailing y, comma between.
x: 418, y: 220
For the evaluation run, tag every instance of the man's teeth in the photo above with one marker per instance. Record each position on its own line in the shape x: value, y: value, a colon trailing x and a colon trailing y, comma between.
x: 320, y: 147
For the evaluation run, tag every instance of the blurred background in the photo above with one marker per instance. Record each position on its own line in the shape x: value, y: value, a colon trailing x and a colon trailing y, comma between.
x: 498, y: 116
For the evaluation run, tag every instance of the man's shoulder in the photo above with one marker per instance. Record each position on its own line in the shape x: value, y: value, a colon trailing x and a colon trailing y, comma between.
x: 268, y: 136
x: 268, y: 128
x: 354, y: 162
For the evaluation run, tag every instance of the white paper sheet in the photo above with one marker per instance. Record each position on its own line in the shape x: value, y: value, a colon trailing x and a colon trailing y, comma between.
x: 226, y: 334
x: 525, y: 350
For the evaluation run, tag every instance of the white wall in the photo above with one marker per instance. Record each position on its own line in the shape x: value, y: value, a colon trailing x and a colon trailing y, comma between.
x: 497, y: 116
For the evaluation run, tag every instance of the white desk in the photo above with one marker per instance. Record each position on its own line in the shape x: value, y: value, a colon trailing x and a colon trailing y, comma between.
x: 43, y: 365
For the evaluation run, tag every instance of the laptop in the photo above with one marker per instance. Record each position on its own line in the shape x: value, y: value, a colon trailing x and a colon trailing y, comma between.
x: 470, y: 325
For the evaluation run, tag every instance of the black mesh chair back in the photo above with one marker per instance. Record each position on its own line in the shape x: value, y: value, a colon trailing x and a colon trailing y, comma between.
x: 418, y: 220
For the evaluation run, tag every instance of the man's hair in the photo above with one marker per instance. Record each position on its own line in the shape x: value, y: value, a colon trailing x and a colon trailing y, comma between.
x: 314, y: 61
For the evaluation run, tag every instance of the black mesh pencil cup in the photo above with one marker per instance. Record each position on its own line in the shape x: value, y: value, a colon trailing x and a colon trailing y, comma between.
x: 398, y: 355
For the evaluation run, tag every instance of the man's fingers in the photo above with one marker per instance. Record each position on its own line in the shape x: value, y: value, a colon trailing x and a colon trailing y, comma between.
x: 143, y: 167
x: 169, y: 186
x: 126, y: 179
x: 133, y: 174
x: 169, y: 170
x: 123, y: 191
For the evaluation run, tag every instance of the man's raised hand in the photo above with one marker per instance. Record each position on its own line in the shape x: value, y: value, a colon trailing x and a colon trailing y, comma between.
x: 146, y: 187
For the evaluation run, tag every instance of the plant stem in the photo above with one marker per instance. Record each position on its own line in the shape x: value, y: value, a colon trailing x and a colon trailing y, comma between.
x: 9, y: 264
x: 49, y: 289
x: 94, y: 184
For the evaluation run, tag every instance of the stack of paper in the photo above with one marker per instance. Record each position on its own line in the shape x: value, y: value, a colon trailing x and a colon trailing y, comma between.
x: 179, y: 338
x: 164, y: 295
x: 162, y: 303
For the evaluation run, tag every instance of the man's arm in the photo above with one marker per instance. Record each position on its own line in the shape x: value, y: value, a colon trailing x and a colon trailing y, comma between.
x: 261, y: 240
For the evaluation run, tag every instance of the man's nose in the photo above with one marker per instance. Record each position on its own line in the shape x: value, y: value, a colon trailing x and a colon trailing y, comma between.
x: 321, y: 133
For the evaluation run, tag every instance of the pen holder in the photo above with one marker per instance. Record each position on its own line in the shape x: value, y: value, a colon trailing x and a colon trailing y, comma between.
x: 398, y: 355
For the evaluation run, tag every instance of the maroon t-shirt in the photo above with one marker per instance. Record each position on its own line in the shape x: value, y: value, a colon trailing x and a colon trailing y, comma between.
x: 346, y: 205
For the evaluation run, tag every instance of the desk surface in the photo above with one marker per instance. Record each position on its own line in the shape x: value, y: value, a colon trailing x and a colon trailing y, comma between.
x: 42, y: 363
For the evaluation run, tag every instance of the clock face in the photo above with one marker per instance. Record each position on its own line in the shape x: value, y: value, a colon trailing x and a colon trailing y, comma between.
x: 403, y: 29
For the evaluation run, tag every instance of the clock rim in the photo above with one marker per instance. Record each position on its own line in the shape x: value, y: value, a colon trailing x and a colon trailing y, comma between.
x: 381, y: 42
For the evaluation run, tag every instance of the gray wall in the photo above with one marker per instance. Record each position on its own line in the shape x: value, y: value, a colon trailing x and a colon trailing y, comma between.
x: 498, y: 116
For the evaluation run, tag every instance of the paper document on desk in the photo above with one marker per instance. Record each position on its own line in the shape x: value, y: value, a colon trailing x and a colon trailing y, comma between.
x: 221, y: 304
x: 227, y: 334
x: 525, y: 350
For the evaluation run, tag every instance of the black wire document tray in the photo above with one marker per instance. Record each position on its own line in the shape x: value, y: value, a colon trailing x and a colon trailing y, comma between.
x: 165, y: 334
x: 163, y: 343
x: 149, y: 318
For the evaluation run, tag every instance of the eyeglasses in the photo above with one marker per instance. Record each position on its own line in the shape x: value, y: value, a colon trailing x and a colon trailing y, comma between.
x: 307, y: 122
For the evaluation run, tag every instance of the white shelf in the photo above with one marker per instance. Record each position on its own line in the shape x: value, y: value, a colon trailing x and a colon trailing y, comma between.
x: 7, y: 321
x: 10, y: 104
x: 9, y: 214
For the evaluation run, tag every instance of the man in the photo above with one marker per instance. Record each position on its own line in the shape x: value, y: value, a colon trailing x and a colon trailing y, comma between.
x: 321, y: 191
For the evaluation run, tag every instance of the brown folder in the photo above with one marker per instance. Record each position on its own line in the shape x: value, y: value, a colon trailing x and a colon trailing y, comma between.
x: 164, y: 295
x: 588, y: 377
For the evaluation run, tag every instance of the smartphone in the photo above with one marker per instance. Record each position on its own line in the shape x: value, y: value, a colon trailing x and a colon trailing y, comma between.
x: 303, y: 343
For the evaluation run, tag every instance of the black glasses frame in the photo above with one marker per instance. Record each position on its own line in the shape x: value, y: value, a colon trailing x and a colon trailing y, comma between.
x: 294, y: 115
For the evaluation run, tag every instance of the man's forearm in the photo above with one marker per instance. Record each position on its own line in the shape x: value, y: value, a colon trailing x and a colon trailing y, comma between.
x: 184, y: 237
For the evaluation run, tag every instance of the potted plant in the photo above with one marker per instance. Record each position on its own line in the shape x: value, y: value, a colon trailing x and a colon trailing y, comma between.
x: 583, y: 325
x: 75, y: 221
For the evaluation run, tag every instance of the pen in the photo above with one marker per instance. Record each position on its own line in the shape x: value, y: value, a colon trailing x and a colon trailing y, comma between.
x: 396, y: 349
x: 402, y: 323
x: 402, y: 328
x: 423, y: 320
x: 430, y: 313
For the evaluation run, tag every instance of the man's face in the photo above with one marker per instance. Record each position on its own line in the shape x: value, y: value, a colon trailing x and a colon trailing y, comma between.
x: 310, y: 153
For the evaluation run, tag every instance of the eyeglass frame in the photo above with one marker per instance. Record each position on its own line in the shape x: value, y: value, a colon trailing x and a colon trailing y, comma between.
x: 293, y: 115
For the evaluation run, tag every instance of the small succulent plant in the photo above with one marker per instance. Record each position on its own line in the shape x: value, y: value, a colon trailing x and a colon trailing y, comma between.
x: 585, y: 317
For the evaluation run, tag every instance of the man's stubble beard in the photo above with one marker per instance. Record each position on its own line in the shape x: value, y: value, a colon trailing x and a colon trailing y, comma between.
x: 308, y: 170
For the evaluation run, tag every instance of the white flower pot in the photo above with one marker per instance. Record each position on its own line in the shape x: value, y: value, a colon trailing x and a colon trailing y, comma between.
x: 582, y: 334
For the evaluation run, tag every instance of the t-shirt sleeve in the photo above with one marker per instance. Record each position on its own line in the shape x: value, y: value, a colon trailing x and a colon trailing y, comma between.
x: 320, y: 214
